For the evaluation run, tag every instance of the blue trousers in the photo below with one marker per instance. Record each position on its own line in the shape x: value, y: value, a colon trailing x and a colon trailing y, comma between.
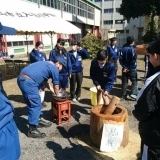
x: 30, y: 91
x: 9, y: 142
x: 63, y: 80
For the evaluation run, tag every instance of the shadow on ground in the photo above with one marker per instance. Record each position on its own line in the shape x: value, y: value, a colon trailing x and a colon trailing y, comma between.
x: 21, y: 122
x: 67, y: 153
x: 82, y: 132
x: 16, y: 98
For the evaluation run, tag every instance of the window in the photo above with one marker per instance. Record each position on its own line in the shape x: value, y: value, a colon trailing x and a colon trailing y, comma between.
x: 108, y: 0
x: 110, y: 10
x: 69, y: 8
x: 49, y: 3
x: 81, y: 5
x: 98, y: 0
x: 44, y: 2
x: 33, y: 1
x: 21, y: 43
x: 108, y: 22
x: 119, y: 21
x: 29, y: 42
x: 119, y: 31
x: 81, y: 12
x: 90, y: 15
x: 15, y: 43
x: 90, y: 12
x: 9, y: 44
x: 117, y: 10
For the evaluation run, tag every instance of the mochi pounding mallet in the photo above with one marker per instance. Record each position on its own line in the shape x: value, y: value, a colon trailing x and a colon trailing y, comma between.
x: 109, y: 109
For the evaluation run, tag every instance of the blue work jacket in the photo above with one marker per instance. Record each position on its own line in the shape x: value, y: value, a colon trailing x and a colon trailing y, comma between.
x: 128, y: 57
x: 113, y: 52
x: 41, y: 71
x: 103, y: 76
x: 76, y: 62
x: 36, y: 55
x: 54, y: 55
x: 9, y: 139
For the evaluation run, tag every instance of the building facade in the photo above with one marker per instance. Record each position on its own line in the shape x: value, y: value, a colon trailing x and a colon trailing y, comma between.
x: 82, y: 13
x: 114, y: 24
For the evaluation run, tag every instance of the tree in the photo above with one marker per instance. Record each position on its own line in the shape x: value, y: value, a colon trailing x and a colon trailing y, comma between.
x: 104, y: 33
x: 92, y: 43
x: 136, y: 8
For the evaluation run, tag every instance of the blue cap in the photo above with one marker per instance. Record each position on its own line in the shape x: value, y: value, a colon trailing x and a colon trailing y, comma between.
x: 62, y: 61
x: 7, y: 30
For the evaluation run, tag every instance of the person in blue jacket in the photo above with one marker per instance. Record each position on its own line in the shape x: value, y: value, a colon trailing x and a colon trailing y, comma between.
x: 36, y: 55
x: 9, y: 138
x: 77, y: 54
x: 102, y: 73
x: 128, y: 61
x: 60, y: 51
x: 29, y: 80
x: 113, y: 53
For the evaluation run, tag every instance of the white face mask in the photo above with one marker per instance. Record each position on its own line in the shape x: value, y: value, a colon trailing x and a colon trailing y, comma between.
x: 74, y: 48
x: 101, y: 66
x: 41, y: 50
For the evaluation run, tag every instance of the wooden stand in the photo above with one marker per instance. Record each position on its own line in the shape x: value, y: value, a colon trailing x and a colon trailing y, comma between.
x: 97, y: 120
x: 61, y: 111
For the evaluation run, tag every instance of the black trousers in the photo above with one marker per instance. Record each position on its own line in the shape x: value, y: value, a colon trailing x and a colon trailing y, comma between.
x: 132, y: 75
x: 116, y: 68
x: 75, y: 84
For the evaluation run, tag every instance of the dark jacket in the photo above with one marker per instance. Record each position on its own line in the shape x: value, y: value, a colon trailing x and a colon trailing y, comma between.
x: 84, y: 53
x: 102, y: 76
x: 113, y: 53
x: 128, y: 58
x: 76, y: 62
x: 36, y: 55
x: 54, y: 55
x: 147, y: 112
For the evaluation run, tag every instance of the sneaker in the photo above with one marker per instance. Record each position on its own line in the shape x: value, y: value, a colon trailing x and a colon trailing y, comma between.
x: 124, y: 96
x: 78, y: 99
x: 74, y: 100
x: 133, y: 96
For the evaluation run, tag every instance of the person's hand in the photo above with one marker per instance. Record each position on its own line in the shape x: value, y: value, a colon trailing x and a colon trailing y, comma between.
x: 70, y: 75
x: 125, y: 70
x: 40, y: 90
x: 105, y: 93
x: 98, y: 87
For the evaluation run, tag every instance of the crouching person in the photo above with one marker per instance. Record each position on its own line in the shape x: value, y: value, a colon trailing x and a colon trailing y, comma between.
x: 102, y: 73
x: 29, y: 81
x: 9, y: 139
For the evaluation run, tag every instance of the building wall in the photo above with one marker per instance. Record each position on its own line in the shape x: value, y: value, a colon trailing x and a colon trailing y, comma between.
x: 115, y: 23
x: 17, y: 44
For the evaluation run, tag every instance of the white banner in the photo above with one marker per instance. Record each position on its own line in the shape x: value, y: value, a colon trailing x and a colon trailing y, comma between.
x: 112, y: 136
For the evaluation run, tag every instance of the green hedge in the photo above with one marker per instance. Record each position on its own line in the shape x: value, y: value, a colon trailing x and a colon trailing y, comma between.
x: 92, y: 43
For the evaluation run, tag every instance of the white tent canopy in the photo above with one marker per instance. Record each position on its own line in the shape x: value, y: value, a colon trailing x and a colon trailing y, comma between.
x: 31, y: 20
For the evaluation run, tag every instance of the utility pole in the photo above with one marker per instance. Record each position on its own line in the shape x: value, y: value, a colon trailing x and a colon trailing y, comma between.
x: 38, y: 2
x: 102, y: 11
